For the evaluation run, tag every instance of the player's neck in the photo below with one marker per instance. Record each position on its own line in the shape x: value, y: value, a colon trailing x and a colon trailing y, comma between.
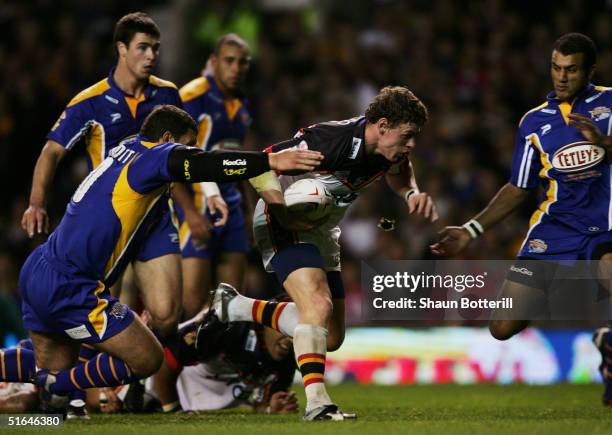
x: 227, y: 93
x: 127, y: 82
x: 371, y: 137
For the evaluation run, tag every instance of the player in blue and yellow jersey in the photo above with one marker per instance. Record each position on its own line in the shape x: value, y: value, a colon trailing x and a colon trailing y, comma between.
x: 102, y: 116
x: 65, y: 282
x: 560, y: 146
x: 215, y: 102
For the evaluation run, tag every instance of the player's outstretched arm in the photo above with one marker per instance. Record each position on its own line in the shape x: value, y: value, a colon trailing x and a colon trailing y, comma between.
x: 35, y: 219
x: 194, y: 165
x: 453, y: 240
x: 403, y: 183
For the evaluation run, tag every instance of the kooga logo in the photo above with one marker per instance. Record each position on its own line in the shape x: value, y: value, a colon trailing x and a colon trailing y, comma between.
x: 238, y: 162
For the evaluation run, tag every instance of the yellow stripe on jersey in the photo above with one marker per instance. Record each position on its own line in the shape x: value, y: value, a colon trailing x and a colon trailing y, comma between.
x: 161, y: 83
x: 97, y: 316
x: 566, y: 109
x: 232, y: 107
x: 96, y: 144
x: 602, y: 88
x: 551, y: 193
x: 92, y: 91
x: 184, y: 233
x: 194, y: 89
x: 541, y: 106
x: 148, y: 144
x: 133, y: 103
x: 131, y: 208
x: 204, y: 130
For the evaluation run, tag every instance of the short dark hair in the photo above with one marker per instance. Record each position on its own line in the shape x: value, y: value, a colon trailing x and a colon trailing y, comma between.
x: 399, y: 105
x: 165, y: 118
x: 130, y: 24
x: 572, y: 43
x: 229, y: 38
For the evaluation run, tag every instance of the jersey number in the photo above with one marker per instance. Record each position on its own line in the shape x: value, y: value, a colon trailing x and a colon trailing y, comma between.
x: 91, y: 179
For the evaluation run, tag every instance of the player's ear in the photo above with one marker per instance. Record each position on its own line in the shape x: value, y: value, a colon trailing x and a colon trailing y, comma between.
x: 167, y: 137
x: 383, y: 125
x: 591, y: 72
x: 121, y: 49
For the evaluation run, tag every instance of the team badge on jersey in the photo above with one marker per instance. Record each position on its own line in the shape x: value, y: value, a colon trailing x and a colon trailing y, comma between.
x: 537, y: 246
x: 600, y: 113
x: 577, y: 156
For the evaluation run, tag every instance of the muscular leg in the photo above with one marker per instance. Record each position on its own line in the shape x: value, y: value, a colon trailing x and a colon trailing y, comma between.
x: 160, y: 281
x: 231, y: 268
x: 528, y: 303
x: 196, y: 284
x: 54, y: 352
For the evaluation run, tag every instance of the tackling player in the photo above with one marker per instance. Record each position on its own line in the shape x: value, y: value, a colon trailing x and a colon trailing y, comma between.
x: 65, y: 282
x: 356, y: 152
x: 215, y: 102
x: 559, y: 145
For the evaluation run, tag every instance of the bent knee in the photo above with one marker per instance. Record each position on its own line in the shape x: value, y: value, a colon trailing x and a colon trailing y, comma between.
x: 149, y: 363
x: 166, y: 321
x: 334, y: 342
x: 502, y: 330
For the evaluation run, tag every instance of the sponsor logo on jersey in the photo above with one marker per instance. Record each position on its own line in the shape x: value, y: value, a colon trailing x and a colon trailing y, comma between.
x: 115, y: 117
x: 174, y: 238
x: 577, y: 156
x: 118, y: 310
x: 545, y: 129
x: 355, y: 148
x: 186, y: 170
x: 78, y: 333
x: 594, y: 229
x: 521, y: 270
x: 231, y: 172
x: 549, y: 111
x: 600, y: 113
x: 537, y: 246
x: 237, y: 162
x: 111, y: 99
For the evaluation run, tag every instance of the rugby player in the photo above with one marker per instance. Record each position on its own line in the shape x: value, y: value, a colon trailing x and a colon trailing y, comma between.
x: 65, y: 282
x: 573, y: 221
x: 356, y: 152
x: 215, y: 101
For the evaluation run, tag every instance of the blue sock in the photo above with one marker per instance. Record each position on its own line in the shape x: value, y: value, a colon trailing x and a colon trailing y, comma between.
x: 102, y: 371
x: 17, y: 365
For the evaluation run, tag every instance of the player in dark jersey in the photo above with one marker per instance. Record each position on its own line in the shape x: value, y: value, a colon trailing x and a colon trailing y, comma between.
x: 214, y: 100
x: 219, y: 366
x: 65, y: 282
x: 307, y: 263
x: 559, y: 145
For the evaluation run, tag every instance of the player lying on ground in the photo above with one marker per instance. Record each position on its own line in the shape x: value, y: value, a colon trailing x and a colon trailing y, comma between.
x: 65, y: 282
x: 357, y: 152
x: 559, y: 145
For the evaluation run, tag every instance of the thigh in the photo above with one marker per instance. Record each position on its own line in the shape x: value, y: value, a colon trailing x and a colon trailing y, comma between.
x: 196, y: 284
x: 160, y: 282
x: 230, y: 268
x: 54, y: 352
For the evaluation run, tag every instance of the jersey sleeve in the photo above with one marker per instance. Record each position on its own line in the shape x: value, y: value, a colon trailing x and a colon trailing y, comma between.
x: 526, y: 163
x: 72, y: 125
x: 175, y: 99
x: 149, y: 170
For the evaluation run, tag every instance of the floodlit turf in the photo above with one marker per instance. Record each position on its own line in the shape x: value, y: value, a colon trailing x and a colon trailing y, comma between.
x: 486, y: 409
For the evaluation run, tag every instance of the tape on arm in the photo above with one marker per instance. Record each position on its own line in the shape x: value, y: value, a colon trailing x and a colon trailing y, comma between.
x: 266, y: 181
x: 210, y: 189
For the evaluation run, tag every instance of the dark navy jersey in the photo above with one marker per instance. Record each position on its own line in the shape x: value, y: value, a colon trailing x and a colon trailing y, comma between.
x: 103, y: 115
x: 574, y: 173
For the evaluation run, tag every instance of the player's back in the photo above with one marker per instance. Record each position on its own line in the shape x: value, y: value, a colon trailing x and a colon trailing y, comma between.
x: 111, y: 211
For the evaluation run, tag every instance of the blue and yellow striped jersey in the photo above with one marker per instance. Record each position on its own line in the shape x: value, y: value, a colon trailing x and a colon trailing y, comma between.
x: 103, y: 115
x: 574, y: 173
x: 112, y: 211
x: 222, y: 123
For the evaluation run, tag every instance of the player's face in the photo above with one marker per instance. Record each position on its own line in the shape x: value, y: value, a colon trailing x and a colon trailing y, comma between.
x: 140, y: 55
x: 568, y: 74
x: 279, y: 346
x: 230, y: 67
x: 395, y: 143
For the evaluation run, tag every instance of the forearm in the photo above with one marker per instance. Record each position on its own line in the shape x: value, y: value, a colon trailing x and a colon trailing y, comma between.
x: 507, y: 199
x: 194, y: 165
x: 44, y: 171
x: 404, y: 181
x: 183, y: 198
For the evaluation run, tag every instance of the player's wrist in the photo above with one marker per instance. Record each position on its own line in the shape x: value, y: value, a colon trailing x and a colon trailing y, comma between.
x: 474, y: 228
x: 409, y: 193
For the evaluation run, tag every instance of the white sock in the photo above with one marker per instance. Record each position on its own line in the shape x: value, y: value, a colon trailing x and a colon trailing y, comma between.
x: 240, y: 309
x: 289, y: 319
x: 243, y: 309
x: 310, y: 347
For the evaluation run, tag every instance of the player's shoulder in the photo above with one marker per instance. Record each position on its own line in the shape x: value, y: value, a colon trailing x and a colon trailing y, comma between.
x: 91, y: 92
x: 339, y: 128
x: 536, y: 115
x: 602, y: 93
x: 161, y: 83
x: 194, y: 89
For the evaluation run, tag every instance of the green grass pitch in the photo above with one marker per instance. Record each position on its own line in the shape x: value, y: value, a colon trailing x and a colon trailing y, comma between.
x: 443, y: 409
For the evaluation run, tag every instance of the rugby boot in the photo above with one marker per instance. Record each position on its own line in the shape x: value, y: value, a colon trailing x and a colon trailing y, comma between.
x: 328, y: 412
x: 221, y: 299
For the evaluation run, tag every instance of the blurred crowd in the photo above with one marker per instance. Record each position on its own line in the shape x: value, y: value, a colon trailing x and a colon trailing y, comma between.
x: 477, y: 65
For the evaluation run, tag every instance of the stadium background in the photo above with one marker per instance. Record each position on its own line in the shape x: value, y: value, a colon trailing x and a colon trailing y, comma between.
x: 478, y: 65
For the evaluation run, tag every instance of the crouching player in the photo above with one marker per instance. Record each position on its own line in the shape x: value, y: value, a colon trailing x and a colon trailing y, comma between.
x: 212, y: 366
x: 65, y: 282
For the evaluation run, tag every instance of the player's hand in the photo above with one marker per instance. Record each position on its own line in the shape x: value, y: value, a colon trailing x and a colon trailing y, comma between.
x: 422, y: 204
x: 199, y: 226
x: 295, y: 160
x: 216, y: 204
x: 283, y: 402
x: 589, y: 130
x: 451, y: 241
x: 35, y: 221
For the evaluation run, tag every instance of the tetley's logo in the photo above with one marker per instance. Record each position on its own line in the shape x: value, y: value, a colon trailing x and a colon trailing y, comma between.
x: 577, y: 156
